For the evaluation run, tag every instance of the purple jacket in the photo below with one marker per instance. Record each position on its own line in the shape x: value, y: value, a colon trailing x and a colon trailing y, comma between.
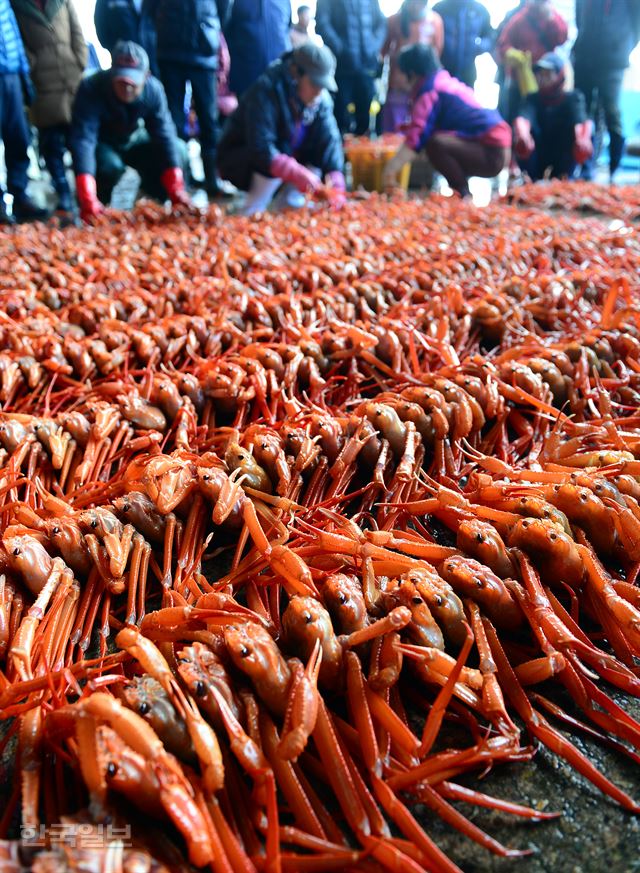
x: 442, y: 103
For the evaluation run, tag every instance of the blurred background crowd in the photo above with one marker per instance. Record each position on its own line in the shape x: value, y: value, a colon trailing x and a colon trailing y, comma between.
x: 255, y: 96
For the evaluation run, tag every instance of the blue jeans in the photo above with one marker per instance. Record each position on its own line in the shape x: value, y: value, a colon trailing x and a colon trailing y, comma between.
x: 15, y: 134
x: 204, y: 87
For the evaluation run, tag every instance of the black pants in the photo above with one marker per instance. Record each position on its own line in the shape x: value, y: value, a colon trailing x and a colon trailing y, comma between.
x: 359, y: 89
x: 15, y: 134
x: 601, y: 89
x: 204, y: 88
x: 53, y: 144
x: 139, y: 152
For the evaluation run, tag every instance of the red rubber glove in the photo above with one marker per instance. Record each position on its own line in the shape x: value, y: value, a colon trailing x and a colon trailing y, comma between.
x: 289, y: 170
x: 87, y: 191
x: 583, y: 146
x: 173, y: 183
x: 523, y: 142
x: 337, y: 189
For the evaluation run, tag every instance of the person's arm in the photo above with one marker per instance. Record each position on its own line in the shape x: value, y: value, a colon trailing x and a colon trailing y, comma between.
x: 379, y: 25
x: 523, y: 141
x: 325, y: 28
x: 162, y: 131
x: 582, y: 127
x: 85, y: 127
x: 438, y: 33
x: 486, y: 35
x: 101, y: 20
x: 422, y: 120
x: 404, y: 155
x: 78, y: 44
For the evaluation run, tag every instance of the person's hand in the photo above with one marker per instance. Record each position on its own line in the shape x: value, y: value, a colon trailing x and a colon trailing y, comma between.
x: 523, y: 142
x: 289, y: 170
x: 86, y: 189
x: 28, y: 89
x: 336, y: 189
x: 172, y: 181
x: 583, y: 146
x: 390, y: 176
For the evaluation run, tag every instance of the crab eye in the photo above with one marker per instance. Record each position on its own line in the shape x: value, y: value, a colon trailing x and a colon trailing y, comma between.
x: 308, y: 617
x: 416, y: 599
x: 55, y: 530
x: 144, y: 708
x: 245, y: 652
x: 201, y: 688
x: 94, y: 523
x: 479, y: 538
x: 16, y: 552
x: 111, y: 769
x: 342, y: 597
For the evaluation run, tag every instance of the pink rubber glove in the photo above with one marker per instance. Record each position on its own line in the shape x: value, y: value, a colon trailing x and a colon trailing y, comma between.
x: 523, y: 141
x: 582, y: 147
x: 337, y: 188
x: 289, y: 170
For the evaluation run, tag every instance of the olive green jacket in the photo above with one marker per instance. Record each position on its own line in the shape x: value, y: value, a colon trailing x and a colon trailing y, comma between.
x: 57, y: 54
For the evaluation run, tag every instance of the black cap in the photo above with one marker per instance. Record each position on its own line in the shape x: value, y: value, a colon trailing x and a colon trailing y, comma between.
x: 550, y: 61
x: 318, y: 63
x: 129, y: 61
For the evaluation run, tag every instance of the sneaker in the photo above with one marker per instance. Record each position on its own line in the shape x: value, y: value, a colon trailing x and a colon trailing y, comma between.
x: 26, y: 210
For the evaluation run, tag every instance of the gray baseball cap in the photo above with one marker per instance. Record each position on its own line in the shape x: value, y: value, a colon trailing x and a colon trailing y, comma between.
x: 129, y: 61
x: 318, y: 63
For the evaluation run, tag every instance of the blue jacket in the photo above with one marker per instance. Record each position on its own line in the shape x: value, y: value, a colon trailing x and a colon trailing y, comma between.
x: 12, y: 55
x: 270, y: 120
x: 119, y: 19
x: 608, y: 31
x: 354, y: 30
x: 188, y: 31
x: 467, y: 33
x: 257, y: 33
x: 98, y: 116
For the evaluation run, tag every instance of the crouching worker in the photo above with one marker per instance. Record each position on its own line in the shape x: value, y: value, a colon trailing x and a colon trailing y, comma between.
x: 283, y: 135
x: 552, y: 134
x: 106, y: 136
x: 460, y: 137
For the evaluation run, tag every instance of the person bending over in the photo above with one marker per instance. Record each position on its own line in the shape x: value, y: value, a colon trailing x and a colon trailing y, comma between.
x: 106, y: 135
x: 460, y: 137
x: 284, y: 131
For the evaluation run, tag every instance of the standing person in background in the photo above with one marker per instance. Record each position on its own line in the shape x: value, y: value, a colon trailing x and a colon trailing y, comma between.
x: 15, y: 88
x: 257, y: 33
x: 57, y: 54
x: 188, y: 40
x: 503, y: 78
x: 467, y: 34
x: 127, y: 20
x: 607, y: 34
x: 120, y: 119
x: 299, y: 33
x: 413, y: 23
x: 354, y: 30
x: 537, y: 28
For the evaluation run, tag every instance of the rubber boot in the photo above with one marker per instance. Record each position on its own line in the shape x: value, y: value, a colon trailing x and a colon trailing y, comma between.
x: 616, y: 150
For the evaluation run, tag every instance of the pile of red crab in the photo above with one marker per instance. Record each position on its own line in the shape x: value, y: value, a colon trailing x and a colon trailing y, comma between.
x: 297, y: 514
x: 617, y: 201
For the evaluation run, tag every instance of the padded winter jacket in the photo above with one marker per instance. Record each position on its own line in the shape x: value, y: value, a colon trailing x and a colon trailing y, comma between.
x: 467, y: 34
x: 188, y: 31
x: 257, y: 33
x: 12, y: 54
x: 608, y: 31
x: 270, y: 120
x: 57, y: 55
x: 354, y: 30
x: 120, y: 19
